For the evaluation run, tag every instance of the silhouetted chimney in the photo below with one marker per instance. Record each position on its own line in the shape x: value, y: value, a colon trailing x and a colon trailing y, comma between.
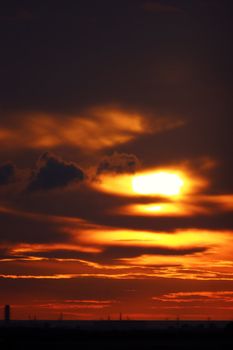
x: 7, y: 313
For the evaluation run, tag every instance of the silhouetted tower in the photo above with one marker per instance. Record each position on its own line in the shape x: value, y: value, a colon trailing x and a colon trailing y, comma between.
x: 7, y: 313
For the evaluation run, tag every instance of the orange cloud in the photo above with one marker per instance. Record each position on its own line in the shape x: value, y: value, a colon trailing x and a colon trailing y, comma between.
x: 223, y: 202
x: 196, y: 305
x: 33, y: 248
x: 192, y: 237
x: 162, y: 209
x: 102, y: 251
x: 97, y: 128
x: 203, y: 296
x: 56, y: 277
x: 192, y: 205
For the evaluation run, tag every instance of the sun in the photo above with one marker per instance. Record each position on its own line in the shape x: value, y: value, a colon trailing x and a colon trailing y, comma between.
x: 162, y: 183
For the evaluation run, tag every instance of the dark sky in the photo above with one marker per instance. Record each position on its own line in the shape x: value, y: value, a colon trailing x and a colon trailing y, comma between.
x: 92, y: 91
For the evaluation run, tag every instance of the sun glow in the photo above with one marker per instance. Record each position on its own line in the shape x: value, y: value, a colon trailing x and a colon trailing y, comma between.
x: 155, y: 182
x: 159, y: 183
x: 162, y: 209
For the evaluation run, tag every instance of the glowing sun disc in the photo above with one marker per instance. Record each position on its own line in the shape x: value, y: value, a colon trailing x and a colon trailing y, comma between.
x: 158, y: 183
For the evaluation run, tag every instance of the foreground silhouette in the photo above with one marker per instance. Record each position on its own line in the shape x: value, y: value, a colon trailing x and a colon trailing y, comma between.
x: 115, y: 335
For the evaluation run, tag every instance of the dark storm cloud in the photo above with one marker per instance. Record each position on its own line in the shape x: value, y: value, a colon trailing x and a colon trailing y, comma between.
x: 118, y: 163
x: 52, y: 172
x: 7, y: 173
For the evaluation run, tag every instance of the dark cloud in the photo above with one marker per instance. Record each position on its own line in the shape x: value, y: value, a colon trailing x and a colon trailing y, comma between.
x: 112, y: 254
x: 7, y: 173
x: 118, y: 163
x: 18, y: 229
x: 221, y: 221
x: 53, y: 172
x: 117, y: 252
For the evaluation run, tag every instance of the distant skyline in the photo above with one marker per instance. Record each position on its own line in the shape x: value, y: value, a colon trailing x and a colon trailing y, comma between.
x: 116, y: 168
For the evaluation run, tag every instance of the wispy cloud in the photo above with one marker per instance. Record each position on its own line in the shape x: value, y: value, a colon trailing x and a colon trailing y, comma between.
x: 95, y: 129
x: 197, y: 296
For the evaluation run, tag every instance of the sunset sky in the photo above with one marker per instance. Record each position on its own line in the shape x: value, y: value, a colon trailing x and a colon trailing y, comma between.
x: 116, y: 167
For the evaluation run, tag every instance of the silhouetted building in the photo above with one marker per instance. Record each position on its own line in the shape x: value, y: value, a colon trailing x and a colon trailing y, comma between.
x: 7, y: 313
